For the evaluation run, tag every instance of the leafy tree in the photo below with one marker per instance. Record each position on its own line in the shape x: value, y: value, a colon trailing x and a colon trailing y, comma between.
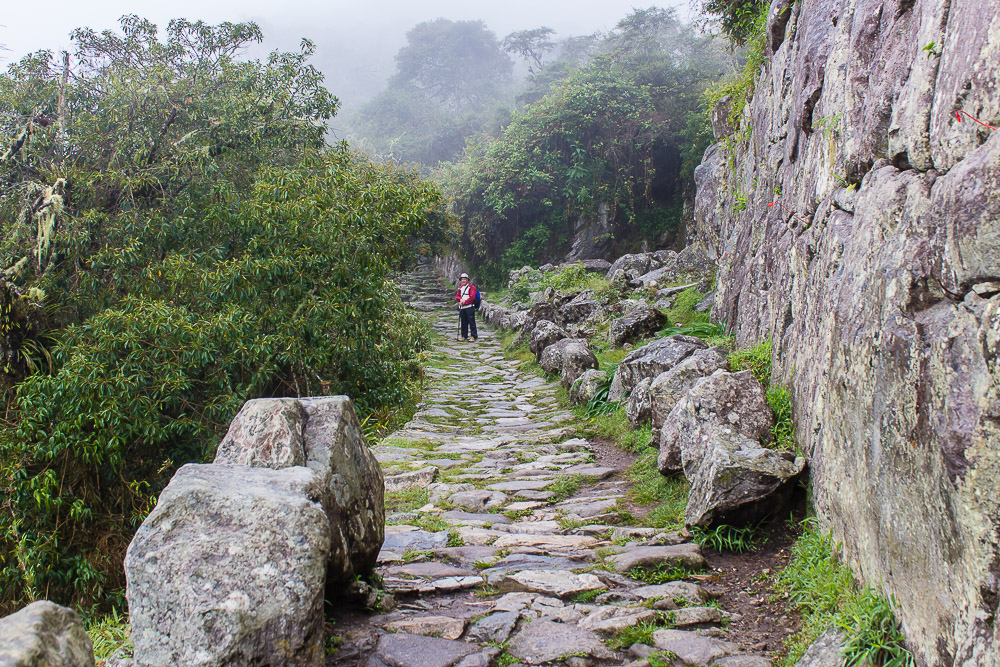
x: 176, y: 238
x: 459, y: 63
x: 622, y: 132
x: 530, y: 46
x: 737, y: 18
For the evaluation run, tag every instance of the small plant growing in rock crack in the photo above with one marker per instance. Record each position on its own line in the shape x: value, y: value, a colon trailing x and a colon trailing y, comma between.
x: 486, y: 591
x: 640, y: 633
x: 564, y: 487
x: 783, y: 432
x: 585, y: 597
x: 729, y: 538
x: 660, y: 574
x: 455, y: 539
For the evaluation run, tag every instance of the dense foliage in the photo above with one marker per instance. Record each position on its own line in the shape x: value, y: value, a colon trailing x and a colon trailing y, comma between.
x: 176, y: 239
x: 619, y: 137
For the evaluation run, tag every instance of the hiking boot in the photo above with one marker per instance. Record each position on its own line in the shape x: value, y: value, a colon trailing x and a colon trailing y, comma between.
x: 474, y: 340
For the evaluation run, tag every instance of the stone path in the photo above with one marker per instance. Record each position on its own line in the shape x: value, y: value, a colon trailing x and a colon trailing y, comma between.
x: 503, y: 545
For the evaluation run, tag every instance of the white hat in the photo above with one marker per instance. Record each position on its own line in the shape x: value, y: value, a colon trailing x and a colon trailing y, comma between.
x: 464, y: 275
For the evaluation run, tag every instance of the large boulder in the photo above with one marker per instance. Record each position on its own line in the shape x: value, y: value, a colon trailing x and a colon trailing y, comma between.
x: 630, y: 267
x: 324, y: 434
x: 229, y: 568
x: 650, y: 360
x: 586, y: 386
x: 669, y: 387
x: 578, y: 309
x: 570, y: 357
x: 734, y: 402
x: 637, y: 407
x: 640, y: 322
x: 44, y: 634
x: 543, y: 334
x: 718, y: 428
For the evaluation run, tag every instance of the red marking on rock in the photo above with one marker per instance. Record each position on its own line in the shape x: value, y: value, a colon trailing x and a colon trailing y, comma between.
x: 960, y: 112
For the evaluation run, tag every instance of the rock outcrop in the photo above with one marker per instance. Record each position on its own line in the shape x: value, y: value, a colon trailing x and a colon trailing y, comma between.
x: 570, y: 357
x: 669, y: 387
x: 323, y: 434
x: 229, y: 568
x: 874, y: 275
x: 543, y: 334
x: 44, y: 634
x: 650, y: 360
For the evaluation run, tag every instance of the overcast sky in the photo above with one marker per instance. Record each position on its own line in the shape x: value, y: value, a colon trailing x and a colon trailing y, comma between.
x: 355, y: 40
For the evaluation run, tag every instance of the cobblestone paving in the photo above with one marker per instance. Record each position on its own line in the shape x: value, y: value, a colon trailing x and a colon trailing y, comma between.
x: 503, y: 545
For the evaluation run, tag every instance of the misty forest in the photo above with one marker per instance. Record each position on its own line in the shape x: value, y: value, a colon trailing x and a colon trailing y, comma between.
x: 674, y: 343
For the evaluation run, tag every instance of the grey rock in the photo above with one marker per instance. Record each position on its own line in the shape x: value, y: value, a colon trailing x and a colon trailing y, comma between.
x: 542, y: 641
x: 571, y: 357
x: 323, y: 434
x: 630, y: 267
x: 578, y: 309
x: 266, y: 433
x: 585, y: 387
x: 657, y: 357
x: 744, y: 661
x: 826, y: 651
x: 559, y: 584
x: 44, y: 634
x: 496, y: 627
x: 667, y: 388
x: 705, y: 305
x: 718, y: 427
x: 433, y: 626
x: 640, y: 322
x: 544, y: 334
x: 691, y: 647
x: 478, y: 500
x: 202, y: 569
x: 685, y: 555
x: 638, y: 408
x: 408, y: 650
x: 411, y: 480
x: 731, y: 406
x: 692, y: 593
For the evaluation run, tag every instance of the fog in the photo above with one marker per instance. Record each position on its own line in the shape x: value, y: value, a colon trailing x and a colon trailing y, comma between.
x: 356, y: 41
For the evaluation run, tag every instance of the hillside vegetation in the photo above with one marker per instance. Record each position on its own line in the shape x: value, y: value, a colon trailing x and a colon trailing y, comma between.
x: 177, y: 238
x: 617, y: 135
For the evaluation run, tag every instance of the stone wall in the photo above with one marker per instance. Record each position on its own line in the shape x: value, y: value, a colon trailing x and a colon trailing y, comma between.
x: 877, y: 274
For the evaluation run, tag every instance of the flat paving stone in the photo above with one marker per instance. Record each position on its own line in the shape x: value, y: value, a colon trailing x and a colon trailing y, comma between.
x: 543, y: 641
x: 559, y: 584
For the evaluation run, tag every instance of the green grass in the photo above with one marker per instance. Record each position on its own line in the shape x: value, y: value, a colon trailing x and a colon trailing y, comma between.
x: 783, y: 431
x: 111, y: 635
x: 585, y: 597
x: 756, y: 359
x: 682, y: 312
x: 564, y: 487
x: 455, y: 539
x: 668, y: 494
x: 406, y: 501
x: 613, y: 425
x: 729, y: 538
x: 640, y: 633
x: 660, y: 574
x: 825, y: 592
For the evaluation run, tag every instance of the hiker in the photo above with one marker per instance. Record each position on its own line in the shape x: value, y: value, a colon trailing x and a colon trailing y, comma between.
x: 467, y: 295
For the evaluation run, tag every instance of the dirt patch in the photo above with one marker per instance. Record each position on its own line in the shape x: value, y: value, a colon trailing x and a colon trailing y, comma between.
x: 762, y: 621
x: 610, y: 456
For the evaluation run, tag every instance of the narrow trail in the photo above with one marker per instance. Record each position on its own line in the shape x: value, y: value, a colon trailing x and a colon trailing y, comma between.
x: 502, y: 545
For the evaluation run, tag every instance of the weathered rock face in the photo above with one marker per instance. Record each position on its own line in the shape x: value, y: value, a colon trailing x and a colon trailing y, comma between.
x: 640, y: 322
x: 543, y: 334
x: 667, y: 388
x: 229, y: 568
x: 578, y: 309
x: 586, y: 386
x: 637, y: 407
x: 570, y: 357
x: 45, y: 634
x: 324, y: 434
x: 267, y: 433
x: 650, y: 360
x: 727, y: 406
x: 877, y: 297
